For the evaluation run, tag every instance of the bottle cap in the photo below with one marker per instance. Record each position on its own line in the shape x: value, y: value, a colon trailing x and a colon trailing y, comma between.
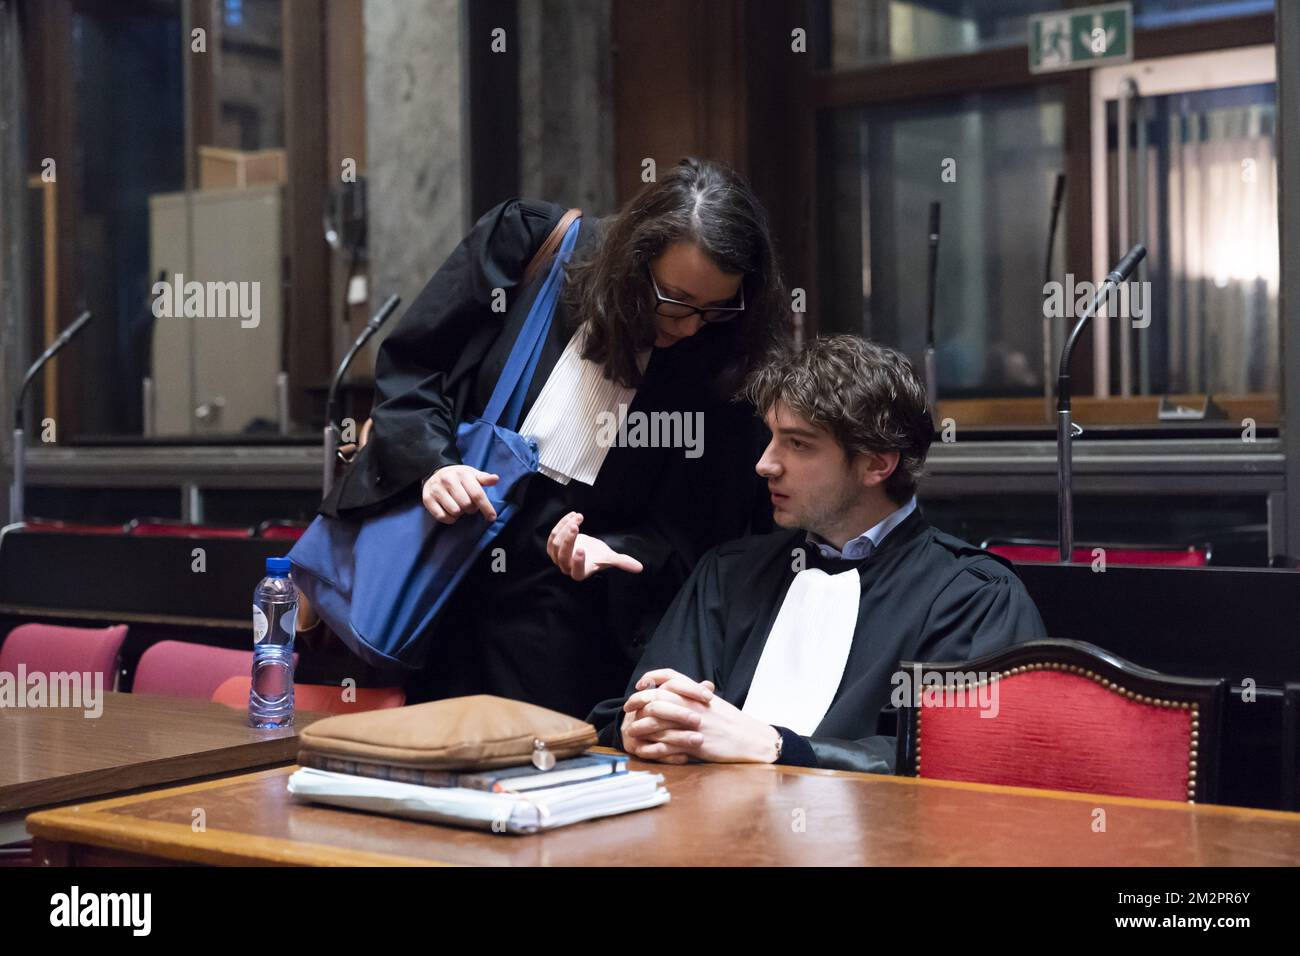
x: 277, y: 565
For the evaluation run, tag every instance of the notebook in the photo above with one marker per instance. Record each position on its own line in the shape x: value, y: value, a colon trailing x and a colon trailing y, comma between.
x: 506, y: 779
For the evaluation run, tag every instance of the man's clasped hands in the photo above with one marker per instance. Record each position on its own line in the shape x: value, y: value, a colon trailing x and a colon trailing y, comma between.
x: 673, y: 719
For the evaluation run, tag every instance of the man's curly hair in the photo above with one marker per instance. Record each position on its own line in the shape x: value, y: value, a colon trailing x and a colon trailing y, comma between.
x: 866, y: 395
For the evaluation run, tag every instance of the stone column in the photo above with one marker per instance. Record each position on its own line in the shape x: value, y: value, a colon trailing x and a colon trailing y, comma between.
x: 414, y: 141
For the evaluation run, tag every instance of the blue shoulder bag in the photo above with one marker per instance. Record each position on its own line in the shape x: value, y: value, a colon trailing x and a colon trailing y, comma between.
x: 380, y: 582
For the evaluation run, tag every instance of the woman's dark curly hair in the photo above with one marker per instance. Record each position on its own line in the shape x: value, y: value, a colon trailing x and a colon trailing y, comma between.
x: 867, y: 396
x: 697, y: 201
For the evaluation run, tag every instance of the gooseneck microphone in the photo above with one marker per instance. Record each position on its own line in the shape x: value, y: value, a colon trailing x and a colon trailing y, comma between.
x: 16, y: 489
x: 331, y: 403
x: 1048, y: 352
x: 1065, y: 428
x: 931, y: 385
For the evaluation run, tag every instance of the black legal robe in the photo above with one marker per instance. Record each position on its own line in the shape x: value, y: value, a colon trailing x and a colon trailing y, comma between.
x: 925, y: 596
x: 528, y: 632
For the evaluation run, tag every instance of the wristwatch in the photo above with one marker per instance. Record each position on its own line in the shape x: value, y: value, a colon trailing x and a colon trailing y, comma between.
x: 780, y: 743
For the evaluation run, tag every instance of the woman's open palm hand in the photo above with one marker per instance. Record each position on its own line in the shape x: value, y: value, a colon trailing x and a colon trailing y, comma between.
x: 580, y: 555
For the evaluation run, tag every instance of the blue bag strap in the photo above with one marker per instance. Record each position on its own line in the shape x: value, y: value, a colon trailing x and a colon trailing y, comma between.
x: 508, y: 395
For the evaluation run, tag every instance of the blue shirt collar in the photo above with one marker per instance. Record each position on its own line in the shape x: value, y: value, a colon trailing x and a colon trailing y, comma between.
x: 869, y: 540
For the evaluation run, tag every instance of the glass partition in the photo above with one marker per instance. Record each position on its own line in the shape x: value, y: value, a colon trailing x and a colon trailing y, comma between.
x: 990, y: 160
x: 1183, y: 160
x: 1188, y: 167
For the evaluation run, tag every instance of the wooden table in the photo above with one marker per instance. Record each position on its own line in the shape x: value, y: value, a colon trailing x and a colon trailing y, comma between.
x: 729, y: 815
x: 51, y: 756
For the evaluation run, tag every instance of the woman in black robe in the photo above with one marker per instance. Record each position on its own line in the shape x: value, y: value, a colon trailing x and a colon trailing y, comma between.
x: 518, y: 626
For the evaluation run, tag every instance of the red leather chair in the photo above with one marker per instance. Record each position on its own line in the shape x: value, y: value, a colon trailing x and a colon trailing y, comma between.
x: 50, y: 648
x: 47, y: 525
x: 277, y: 530
x: 170, y: 528
x: 317, y: 698
x: 182, y: 669
x: 1065, y: 716
x: 1026, y: 551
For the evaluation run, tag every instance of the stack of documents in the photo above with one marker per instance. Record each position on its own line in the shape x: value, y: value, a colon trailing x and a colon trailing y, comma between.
x: 543, y: 808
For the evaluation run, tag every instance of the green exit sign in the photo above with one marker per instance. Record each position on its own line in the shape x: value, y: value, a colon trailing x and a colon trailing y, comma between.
x: 1080, y: 38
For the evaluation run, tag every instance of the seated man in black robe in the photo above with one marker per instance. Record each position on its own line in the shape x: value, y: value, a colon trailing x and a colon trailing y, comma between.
x: 783, y: 647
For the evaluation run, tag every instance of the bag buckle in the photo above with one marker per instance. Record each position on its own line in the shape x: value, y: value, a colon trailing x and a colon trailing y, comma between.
x: 543, y: 759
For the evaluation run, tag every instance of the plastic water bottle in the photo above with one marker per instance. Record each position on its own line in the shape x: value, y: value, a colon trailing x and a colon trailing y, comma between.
x: 275, y: 618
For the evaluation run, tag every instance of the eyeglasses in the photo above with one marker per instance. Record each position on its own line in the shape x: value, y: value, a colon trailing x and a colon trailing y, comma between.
x: 676, y: 309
